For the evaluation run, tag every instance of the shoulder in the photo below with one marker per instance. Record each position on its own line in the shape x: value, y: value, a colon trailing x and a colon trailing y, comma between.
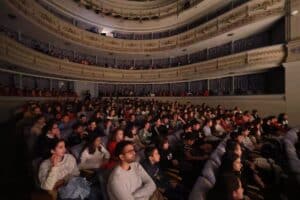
x: 46, y: 164
x: 69, y: 158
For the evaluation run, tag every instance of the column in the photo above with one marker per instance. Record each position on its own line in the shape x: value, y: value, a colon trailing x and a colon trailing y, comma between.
x: 21, y: 81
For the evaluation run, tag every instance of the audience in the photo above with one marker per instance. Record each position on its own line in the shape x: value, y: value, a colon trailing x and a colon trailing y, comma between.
x: 172, y: 141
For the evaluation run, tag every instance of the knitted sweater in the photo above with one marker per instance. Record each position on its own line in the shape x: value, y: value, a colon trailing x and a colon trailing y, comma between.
x: 130, y: 185
x: 95, y: 160
x: 65, y: 169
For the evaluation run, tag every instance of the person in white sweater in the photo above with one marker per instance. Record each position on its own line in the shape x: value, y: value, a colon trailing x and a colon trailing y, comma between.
x: 95, y: 155
x: 128, y: 180
x: 59, y: 168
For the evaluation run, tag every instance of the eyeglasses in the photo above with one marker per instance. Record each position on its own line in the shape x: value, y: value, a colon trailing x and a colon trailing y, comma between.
x: 129, y: 151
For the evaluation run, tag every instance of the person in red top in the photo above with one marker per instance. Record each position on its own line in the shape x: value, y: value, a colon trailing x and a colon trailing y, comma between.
x: 117, y: 137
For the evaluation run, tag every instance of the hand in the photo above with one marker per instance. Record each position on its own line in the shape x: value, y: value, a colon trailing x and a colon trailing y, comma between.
x: 54, y: 160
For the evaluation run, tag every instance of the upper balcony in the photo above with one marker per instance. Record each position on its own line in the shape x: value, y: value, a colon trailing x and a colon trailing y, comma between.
x: 134, y: 16
x: 257, y: 59
x: 243, y: 20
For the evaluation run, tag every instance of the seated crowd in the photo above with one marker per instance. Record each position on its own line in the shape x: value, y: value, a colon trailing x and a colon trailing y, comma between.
x: 12, y: 91
x: 146, y: 149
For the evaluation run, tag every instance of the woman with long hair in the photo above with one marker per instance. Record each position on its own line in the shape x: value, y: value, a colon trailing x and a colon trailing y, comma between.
x: 94, y: 155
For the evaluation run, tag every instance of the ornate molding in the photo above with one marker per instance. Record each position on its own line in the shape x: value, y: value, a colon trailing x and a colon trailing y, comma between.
x: 262, y: 58
x: 251, y: 12
x: 293, y: 50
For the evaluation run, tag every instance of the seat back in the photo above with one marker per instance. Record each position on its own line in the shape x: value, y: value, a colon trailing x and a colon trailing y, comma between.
x: 200, y: 188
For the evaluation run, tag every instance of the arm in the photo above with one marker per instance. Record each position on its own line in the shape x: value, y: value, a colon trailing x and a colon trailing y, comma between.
x: 148, y: 187
x: 48, y: 176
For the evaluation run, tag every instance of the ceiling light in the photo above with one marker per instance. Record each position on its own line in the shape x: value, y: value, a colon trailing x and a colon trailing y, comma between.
x: 294, y: 12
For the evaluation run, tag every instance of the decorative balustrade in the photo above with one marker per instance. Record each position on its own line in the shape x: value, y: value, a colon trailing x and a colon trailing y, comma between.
x: 250, y: 12
x: 15, y: 53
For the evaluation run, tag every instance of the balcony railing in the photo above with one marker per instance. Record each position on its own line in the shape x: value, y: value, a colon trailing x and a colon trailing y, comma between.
x: 262, y: 58
x: 249, y: 13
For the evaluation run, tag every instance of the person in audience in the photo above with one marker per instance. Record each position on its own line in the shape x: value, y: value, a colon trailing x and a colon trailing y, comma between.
x: 51, y: 133
x: 167, y: 159
x: 78, y: 135
x: 145, y: 134
x: 229, y: 189
x: 128, y: 180
x: 94, y: 155
x: 156, y: 131
x: 169, y: 185
x: 59, y: 168
x: 65, y: 126
x: 117, y: 137
x: 38, y: 126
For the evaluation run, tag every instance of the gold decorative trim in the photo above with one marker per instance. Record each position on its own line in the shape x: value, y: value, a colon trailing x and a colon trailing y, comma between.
x: 250, y: 12
x: 261, y: 58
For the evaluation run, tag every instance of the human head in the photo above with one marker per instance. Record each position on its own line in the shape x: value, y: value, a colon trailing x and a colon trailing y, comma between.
x: 125, y: 152
x: 232, y: 188
x: 233, y: 146
x: 57, y: 147
x: 52, y: 129
x: 118, y: 135
x: 231, y: 162
x: 94, y: 142
x: 152, y: 154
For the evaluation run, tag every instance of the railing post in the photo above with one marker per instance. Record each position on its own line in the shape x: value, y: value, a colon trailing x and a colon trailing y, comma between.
x: 21, y: 81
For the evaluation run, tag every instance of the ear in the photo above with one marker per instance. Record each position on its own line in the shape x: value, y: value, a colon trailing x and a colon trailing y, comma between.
x: 52, y: 151
x: 121, y: 157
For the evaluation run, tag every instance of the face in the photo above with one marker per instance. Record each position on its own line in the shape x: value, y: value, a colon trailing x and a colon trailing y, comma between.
x: 158, y: 122
x: 119, y: 135
x: 240, y: 139
x: 196, y: 127
x: 155, y: 158
x: 93, y: 125
x: 55, y: 130
x: 238, y: 150
x: 37, y: 111
x: 239, y: 193
x: 79, y: 129
x: 83, y: 119
x: 237, y: 165
x: 165, y: 145
x: 134, y: 130
x: 128, y: 154
x: 97, y: 142
x: 147, y: 126
x: 60, y: 149
x: 66, y: 119
x: 42, y: 120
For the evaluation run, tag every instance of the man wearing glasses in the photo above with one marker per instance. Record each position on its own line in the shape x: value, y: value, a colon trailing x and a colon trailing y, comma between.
x: 128, y: 180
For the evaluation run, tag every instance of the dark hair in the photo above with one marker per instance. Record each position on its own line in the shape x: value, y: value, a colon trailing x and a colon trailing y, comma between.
x: 48, y: 127
x: 235, y: 133
x: 38, y: 117
x: 227, y: 162
x: 231, y: 145
x: 149, y: 151
x: 53, y: 143
x: 120, y: 147
x: 90, y: 143
x: 230, y: 184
